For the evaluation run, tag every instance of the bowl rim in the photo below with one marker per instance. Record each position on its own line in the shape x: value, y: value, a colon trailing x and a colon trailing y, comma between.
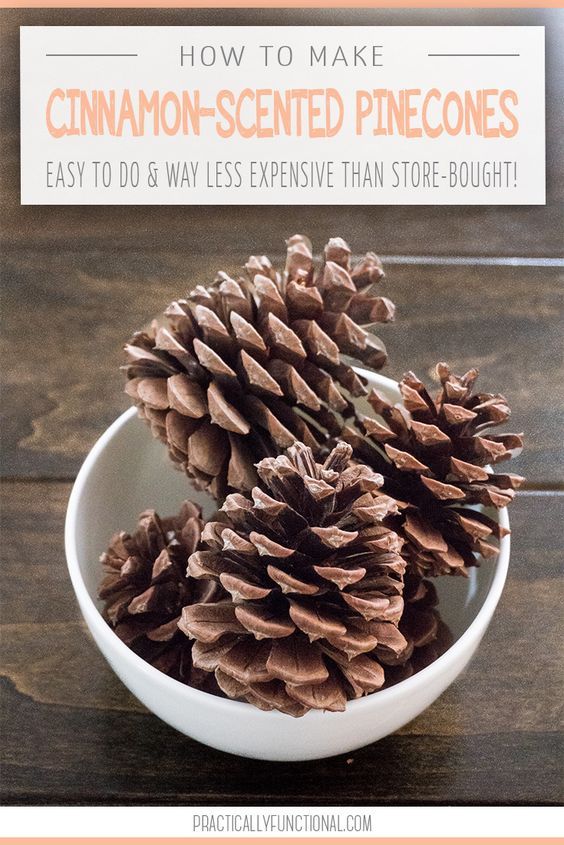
x: 100, y: 629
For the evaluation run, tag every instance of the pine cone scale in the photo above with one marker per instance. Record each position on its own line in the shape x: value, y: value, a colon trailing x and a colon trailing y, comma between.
x: 263, y: 622
x: 328, y: 695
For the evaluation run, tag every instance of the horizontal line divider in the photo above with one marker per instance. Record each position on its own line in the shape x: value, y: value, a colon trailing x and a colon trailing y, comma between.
x: 473, y: 55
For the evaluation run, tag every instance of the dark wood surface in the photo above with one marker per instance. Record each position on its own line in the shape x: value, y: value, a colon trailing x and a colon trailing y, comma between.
x: 77, y: 281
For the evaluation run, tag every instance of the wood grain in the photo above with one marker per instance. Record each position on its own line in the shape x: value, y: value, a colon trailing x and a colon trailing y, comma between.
x: 69, y: 313
x: 463, y: 230
x: 111, y: 760
x: 482, y: 741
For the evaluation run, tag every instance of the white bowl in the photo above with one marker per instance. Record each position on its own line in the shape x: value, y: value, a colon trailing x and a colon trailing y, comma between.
x: 128, y: 471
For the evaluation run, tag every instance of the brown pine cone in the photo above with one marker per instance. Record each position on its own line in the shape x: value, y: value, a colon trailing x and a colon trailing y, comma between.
x: 427, y: 635
x: 246, y: 367
x: 145, y: 588
x: 433, y: 455
x: 313, y: 583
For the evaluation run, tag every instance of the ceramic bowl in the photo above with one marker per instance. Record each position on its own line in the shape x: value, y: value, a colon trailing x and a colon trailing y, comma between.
x: 128, y: 471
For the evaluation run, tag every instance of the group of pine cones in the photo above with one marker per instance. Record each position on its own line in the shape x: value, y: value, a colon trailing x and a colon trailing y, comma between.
x: 310, y: 586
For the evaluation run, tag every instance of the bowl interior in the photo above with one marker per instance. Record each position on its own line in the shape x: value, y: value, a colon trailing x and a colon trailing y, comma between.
x: 129, y: 470
x: 132, y: 473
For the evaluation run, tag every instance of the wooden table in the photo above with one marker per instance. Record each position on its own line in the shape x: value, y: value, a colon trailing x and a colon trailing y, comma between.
x: 78, y: 280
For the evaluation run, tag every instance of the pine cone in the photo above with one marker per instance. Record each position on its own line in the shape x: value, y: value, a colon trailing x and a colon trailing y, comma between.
x: 433, y: 456
x: 313, y: 583
x: 145, y: 588
x: 245, y: 368
x: 427, y: 635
